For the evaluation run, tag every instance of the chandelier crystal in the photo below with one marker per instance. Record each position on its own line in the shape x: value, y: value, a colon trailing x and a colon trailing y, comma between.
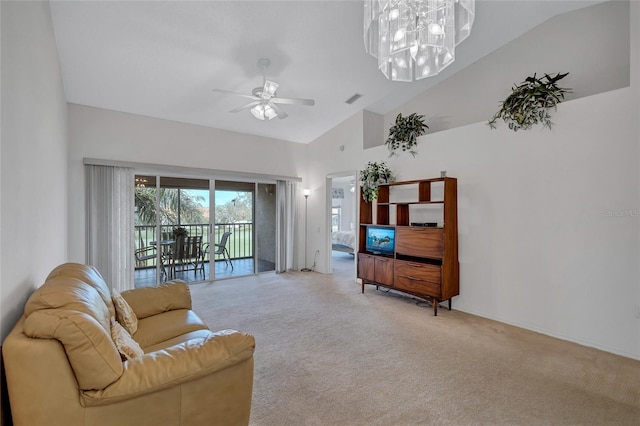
x: 415, y: 39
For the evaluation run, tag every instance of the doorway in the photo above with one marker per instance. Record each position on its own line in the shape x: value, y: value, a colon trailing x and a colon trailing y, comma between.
x: 342, y: 207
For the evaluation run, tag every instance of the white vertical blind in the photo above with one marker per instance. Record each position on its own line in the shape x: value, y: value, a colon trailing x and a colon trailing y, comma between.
x: 286, y: 256
x: 110, y: 225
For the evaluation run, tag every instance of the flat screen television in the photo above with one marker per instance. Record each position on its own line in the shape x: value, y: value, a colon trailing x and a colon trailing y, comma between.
x: 380, y: 240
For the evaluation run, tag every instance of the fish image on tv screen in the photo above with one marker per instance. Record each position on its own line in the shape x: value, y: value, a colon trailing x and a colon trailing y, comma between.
x: 380, y: 240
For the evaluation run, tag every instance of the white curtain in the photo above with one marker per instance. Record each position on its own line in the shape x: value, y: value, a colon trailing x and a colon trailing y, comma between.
x: 286, y: 258
x: 110, y: 226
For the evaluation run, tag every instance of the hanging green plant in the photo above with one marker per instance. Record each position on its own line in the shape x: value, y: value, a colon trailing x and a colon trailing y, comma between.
x: 372, y: 176
x: 530, y: 101
x: 404, y: 133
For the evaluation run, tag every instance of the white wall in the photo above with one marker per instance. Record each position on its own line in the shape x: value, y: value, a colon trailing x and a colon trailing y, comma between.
x: 110, y: 135
x: 549, y: 231
x: 565, y: 43
x: 34, y: 156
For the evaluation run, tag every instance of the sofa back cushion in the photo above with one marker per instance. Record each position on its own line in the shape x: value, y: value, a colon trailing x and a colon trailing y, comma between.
x: 73, y: 312
x: 87, y: 274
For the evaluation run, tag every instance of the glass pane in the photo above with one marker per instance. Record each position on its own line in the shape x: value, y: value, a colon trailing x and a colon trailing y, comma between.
x: 145, y: 222
x: 266, y: 227
x: 336, y: 218
x: 233, y: 217
x: 174, y: 235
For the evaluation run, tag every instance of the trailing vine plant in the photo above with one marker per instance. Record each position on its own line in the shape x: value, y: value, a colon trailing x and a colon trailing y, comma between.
x: 404, y: 133
x: 530, y: 101
x: 372, y: 176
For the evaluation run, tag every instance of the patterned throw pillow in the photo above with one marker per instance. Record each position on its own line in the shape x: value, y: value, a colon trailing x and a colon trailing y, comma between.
x: 124, y: 313
x: 127, y: 347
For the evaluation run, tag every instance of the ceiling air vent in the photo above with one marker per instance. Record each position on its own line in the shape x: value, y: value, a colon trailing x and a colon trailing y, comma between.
x: 354, y: 98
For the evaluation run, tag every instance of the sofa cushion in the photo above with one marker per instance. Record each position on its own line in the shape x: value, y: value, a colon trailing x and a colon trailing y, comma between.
x: 148, y: 301
x: 125, y: 315
x: 180, y: 364
x: 127, y: 347
x: 159, y: 328
x: 70, y: 294
x: 73, y: 312
x: 177, y: 340
x: 92, y: 354
x: 87, y: 274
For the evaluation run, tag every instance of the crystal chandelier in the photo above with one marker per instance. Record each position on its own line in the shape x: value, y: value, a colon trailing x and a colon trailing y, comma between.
x: 415, y: 39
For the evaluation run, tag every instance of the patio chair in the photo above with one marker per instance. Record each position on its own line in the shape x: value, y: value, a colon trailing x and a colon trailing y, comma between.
x: 220, y: 248
x: 185, y: 254
x: 144, y: 253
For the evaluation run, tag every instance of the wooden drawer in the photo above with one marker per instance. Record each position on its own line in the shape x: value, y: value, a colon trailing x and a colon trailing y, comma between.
x: 420, y: 242
x: 418, y: 278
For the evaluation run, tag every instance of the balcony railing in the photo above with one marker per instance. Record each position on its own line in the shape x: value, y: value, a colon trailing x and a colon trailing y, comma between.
x: 240, y: 243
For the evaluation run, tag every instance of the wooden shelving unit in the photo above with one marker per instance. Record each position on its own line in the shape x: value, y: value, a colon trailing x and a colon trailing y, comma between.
x: 425, y: 259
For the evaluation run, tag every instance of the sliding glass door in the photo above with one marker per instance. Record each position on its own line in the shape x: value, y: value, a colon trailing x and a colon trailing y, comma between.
x: 168, y: 209
x: 172, y: 218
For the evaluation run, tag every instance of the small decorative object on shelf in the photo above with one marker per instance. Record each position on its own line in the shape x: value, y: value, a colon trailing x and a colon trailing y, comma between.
x: 530, y: 101
x: 372, y: 176
x: 404, y: 133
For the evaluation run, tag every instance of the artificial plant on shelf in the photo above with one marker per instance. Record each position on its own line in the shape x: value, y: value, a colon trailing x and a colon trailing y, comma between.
x: 179, y: 231
x: 372, y: 176
x: 530, y: 101
x: 404, y: 133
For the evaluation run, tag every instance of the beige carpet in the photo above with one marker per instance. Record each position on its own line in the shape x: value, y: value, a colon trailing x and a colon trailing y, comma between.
x: 328, y: 355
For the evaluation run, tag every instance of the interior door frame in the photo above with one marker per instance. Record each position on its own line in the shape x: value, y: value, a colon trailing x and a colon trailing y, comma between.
x: 328, y: 209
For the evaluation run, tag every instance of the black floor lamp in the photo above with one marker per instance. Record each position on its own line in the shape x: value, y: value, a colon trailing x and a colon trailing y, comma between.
x: 306, y: 193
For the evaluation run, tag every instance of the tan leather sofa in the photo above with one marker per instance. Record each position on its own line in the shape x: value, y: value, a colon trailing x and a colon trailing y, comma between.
x: 63, y: 368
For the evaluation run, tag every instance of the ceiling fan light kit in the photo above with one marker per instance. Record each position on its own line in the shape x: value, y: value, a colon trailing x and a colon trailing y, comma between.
x: 264, y: 98
x: 415, y: 39
x: 263, y: 112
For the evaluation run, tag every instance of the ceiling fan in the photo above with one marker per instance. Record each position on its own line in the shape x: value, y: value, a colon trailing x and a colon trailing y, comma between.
x: 264, y: 99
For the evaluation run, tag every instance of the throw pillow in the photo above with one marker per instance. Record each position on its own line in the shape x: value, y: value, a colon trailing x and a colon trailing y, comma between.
x: 124, y: 313
x: 127, y: 347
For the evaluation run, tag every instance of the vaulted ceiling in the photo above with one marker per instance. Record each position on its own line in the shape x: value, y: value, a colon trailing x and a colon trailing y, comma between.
x: 161, y: 59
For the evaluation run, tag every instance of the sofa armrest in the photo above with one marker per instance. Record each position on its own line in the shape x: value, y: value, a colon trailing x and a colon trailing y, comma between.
x: 175, y: 365
x: 148, y: 301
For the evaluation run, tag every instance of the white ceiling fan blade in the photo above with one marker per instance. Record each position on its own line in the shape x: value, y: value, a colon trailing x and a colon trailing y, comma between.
x: 279, y: 111
x: 247, y: 106
x: 294, y: 101
x: 234, y: 93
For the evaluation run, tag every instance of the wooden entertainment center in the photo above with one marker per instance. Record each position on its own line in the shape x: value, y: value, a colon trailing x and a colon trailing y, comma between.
x: 424, y: 262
